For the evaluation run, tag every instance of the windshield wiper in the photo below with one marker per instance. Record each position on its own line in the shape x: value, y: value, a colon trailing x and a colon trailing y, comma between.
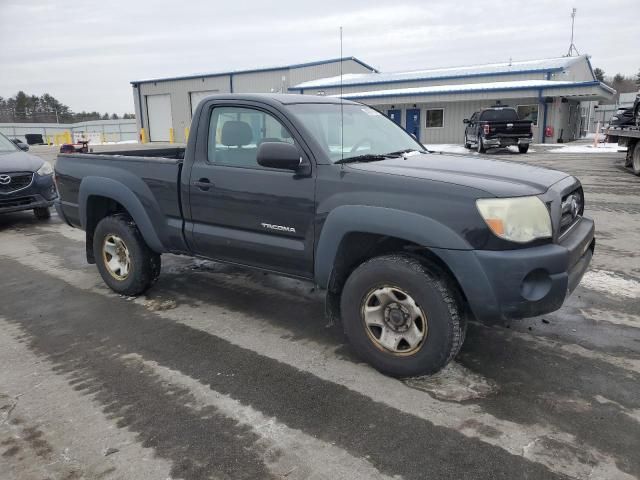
x: 368, y: 157
x: 402, y: 152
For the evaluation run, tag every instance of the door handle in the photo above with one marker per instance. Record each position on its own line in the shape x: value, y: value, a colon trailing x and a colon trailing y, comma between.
x: 203, y: 184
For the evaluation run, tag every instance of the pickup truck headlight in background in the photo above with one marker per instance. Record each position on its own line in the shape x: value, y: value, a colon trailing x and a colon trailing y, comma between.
x: 45, y: 169
x: 520, y: 219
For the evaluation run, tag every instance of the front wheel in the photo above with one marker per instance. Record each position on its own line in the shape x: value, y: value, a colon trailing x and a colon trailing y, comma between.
x: 125, y: 262
x: 401, y: 317
x: 523, y: 148
x: 42, y: 213
x: 466, y: 142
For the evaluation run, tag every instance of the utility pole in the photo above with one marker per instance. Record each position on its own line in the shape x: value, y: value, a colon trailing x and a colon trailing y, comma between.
x: 572, y: 46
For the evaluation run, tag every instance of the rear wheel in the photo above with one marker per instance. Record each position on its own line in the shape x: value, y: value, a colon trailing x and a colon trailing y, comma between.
x: 523, y: 148
x: 635, y: 163
x: 42, y: 213
x: 480, y: 146
x: 402, y: 317
x: 125, y: 262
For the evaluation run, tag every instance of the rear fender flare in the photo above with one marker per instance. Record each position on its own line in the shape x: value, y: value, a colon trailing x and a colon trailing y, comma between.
x: 114, y: 190
x: 412, y: 227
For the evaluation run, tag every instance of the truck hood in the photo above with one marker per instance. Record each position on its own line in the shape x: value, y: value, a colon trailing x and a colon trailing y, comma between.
x: 19, y: 162
x: 498, y: 178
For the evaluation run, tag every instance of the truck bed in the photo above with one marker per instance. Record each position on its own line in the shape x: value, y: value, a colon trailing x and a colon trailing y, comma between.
x: 151, y: 175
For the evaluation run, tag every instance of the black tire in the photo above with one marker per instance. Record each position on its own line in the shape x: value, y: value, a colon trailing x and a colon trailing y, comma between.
x: 432, y: 291
x: 480, y: 145
x: 144, y: 263
x: 523, y: 148
x: 635, y: 159
x: 42, y: 213
x: 466, y: 142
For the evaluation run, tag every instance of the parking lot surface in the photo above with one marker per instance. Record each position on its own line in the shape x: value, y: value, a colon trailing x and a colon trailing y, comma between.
x: 221, y: 373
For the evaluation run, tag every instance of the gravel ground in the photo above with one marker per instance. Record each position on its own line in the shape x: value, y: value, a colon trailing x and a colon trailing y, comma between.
x: 225, y: 373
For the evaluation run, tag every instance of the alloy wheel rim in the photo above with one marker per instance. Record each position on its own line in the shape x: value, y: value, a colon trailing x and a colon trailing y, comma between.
x: 116, y: 257
x: 394, y: 322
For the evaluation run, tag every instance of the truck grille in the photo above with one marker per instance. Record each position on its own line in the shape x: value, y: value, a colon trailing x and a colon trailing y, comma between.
x: 12, y: 182
x: 572, y: 209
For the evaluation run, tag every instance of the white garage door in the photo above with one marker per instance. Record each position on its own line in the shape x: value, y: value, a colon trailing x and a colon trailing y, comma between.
x: 197, y: 96
x: 159, y: 110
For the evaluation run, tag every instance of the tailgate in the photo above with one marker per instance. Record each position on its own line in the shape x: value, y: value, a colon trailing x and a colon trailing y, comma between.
x: 515, y: 128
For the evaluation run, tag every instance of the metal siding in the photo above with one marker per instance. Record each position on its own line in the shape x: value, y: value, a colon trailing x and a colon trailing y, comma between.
x: 261, y: 82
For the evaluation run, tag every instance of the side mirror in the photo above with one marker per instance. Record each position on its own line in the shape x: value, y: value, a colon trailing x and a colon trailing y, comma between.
x: 279, y: 155
x: 466, y: 120
x: 24, y: 147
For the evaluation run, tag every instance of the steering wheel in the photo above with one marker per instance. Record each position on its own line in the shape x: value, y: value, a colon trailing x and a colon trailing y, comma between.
x: 360, y: 143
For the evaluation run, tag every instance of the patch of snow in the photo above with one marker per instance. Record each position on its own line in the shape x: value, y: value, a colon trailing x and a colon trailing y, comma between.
x: 588, y: 148
x: 455, y: 148
x: 449, y: 148
x: 454, y: 383
x: 611, y: 283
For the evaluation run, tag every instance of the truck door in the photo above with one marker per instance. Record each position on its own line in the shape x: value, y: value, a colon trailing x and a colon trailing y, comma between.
x: 413, y: 122
x: 240, y: 211
x: 471, y: 128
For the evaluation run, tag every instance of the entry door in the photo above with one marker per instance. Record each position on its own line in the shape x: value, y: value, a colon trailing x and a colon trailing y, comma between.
x: 395, y: 116
x: 242, y: 212
x: 413, y: 122
x: 159, y: 114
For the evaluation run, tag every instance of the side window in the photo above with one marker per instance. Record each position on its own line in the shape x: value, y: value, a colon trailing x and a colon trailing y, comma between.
x: 474, y: 117
x: 235, y: 133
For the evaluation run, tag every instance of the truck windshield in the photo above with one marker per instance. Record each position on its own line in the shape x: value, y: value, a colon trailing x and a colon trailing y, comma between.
x: 368, y: 134
x: 499, y: 115
x: 6, y: 145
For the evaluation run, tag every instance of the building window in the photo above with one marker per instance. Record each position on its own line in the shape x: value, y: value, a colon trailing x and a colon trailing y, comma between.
x: 528, y: 112
x: 435, y: 118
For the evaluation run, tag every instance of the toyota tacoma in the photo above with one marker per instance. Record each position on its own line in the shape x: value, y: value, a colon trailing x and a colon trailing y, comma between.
x: 406, y: 244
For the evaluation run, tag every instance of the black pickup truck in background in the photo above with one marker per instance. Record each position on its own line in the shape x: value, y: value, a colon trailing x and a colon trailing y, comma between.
x: 497, y: 127
x: 406, y: 244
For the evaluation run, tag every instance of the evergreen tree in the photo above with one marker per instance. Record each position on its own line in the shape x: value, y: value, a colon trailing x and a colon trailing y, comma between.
x: 599, y: 74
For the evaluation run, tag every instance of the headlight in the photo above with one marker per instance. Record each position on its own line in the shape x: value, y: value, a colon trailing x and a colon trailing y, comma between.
x: 520, y: 219
x: 45, y: 169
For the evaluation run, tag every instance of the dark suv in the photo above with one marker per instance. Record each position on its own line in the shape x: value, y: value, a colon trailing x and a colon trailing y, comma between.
x: 26, y: 181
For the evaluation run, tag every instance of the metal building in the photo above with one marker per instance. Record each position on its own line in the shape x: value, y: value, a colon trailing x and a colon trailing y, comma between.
x: 164, y: 106
x: 433, y: 103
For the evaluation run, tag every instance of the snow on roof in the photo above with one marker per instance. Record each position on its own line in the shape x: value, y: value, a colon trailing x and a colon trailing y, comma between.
x: 543, y: 65
x: 468, y: 88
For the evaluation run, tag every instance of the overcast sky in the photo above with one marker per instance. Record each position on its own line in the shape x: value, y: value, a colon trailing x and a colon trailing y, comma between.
x: 85, y: 52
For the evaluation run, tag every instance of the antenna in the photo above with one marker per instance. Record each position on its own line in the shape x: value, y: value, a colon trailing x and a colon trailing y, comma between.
x: 572, y: 46
x: 341, y: 101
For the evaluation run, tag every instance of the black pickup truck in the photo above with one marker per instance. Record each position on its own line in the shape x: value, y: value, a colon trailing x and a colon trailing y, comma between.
x: 406, y: 244
x: 496, y: 127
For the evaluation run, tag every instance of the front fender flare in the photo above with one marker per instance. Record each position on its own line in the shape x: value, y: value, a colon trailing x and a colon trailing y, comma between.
x: 408, y: 226
x: 109, y: 188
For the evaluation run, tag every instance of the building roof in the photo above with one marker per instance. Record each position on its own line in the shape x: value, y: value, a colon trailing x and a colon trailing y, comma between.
x: 475, y: 88
x: 254, y: 70
x: 505, y: 68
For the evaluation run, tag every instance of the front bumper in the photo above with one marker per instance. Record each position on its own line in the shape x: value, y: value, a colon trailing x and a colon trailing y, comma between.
x: 39, y: 194
x: 500, y: 285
